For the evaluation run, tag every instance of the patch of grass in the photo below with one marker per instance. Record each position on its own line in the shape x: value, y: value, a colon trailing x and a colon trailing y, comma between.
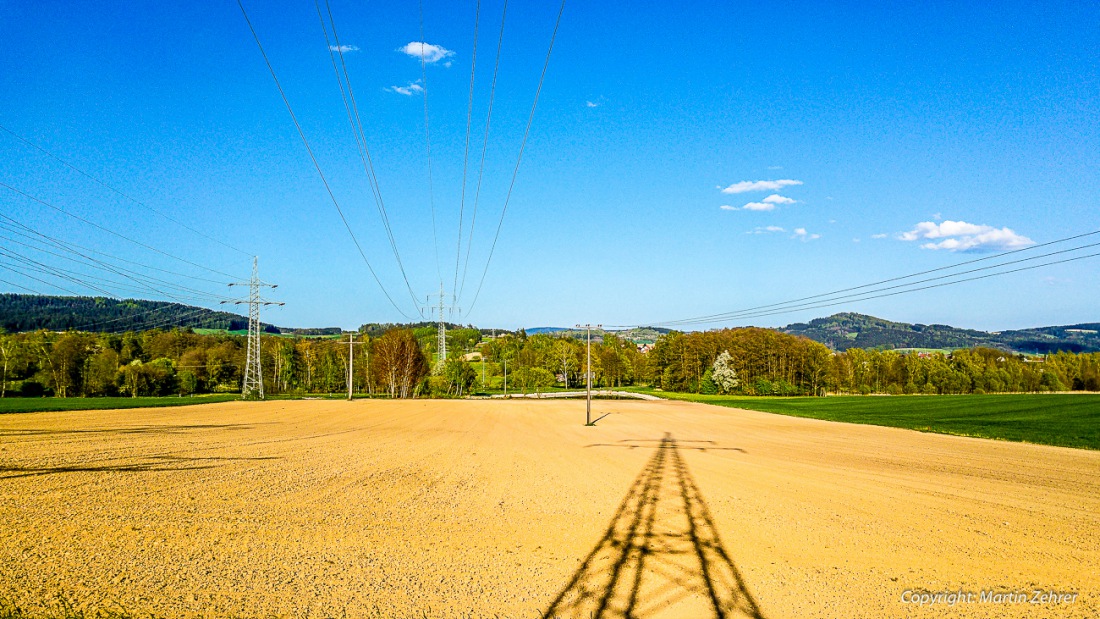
x: 36, y: 405
x: 1065, y: 420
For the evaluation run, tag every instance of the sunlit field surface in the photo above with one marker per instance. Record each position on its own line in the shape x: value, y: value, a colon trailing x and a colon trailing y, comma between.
x: 515, y: 509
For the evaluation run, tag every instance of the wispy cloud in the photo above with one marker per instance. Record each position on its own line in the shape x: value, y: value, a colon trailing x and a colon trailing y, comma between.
x: 746, y: 186
x: 412, y: 89
x: 751, y: 206
x: 765, y: 230
x: 426, y: 51
x: 963, y: 236
x: 802, y: 235
x: 879, y: 236
x: 758, y: 206
x: 778, y: 199
x: 597, y: 102
x: 343, y: 48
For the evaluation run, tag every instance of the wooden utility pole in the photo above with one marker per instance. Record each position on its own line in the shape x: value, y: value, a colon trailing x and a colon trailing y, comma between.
x: 351, y: 362
x: 588, y: 374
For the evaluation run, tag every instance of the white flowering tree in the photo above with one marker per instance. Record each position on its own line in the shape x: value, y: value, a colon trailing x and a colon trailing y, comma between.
x: 724, y: 376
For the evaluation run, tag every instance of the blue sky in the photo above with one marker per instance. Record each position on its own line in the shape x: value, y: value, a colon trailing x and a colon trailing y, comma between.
x: 914, y: 136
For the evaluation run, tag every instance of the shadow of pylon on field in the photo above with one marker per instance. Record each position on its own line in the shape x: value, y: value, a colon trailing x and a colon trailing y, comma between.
x: 660, y: 557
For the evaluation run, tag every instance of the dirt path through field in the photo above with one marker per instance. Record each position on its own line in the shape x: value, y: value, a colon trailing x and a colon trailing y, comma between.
x: 514, y: 508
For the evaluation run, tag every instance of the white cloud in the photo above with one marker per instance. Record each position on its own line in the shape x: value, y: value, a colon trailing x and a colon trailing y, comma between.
x: 963, y: 236
x: 745, y: 186
x: 778, y: 199
x: 765, y: 230
x: 879, y: 236
x: 726, y: 207
x: 758, y: 206
x: 412, y: 89
x: 591, y: 104
x: 426, y: 51
x: 802, y: 235
x: 343, y: 48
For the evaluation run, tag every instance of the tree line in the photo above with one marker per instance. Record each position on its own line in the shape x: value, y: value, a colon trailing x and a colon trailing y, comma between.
x: 400, y: 362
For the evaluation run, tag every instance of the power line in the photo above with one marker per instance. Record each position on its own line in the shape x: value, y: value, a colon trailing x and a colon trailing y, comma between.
x: 72, y: 276
x: 519, y: 158
x: 39, y: 280
x: 356, y: 124
x: 39, y: 267
x: 857, y: 296
x: 876, y: 291
x: 108, y: 230
x: 940, y: 285
x: 117, y: 191
x: 484, y: 150
x: 313, y: 158
x: 466, y: 152
x: 176, y: 320
x: 733, y: 314
x: 428, y: 139
x: 4, y: 281
x: 94, y: 282
x: 166, y: 306
x: 133, y: 275
x: 140, y: 278
x: 66, y: 245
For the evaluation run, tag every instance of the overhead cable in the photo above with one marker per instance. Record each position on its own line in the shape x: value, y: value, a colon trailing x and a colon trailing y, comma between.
x: 118, y: 191
x: 313, y: 158
x: 484, y: 151
x: 519, y: 157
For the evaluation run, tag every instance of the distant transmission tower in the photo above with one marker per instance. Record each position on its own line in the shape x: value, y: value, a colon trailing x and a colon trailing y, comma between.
x: 441, y: 341
x: 253, y: 385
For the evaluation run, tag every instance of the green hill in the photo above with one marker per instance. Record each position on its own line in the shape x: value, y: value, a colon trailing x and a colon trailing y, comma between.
x: 29, y: 312
x: 849, y: 330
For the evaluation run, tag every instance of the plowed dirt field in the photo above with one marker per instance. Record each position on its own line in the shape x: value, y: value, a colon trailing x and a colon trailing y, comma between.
x: 516, y: 509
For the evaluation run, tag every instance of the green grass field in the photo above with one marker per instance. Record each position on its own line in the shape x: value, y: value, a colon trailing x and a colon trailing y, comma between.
x: 36, y: 405
x: 1066, y: 420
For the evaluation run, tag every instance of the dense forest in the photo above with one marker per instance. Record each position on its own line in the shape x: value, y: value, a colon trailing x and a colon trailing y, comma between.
x: 849, y: 330
x: 31, y: 312
x: 400, y: 362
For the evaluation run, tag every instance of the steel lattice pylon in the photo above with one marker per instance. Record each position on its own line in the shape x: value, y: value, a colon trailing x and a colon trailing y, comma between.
x: 441, y: 337
x: 252, y: 386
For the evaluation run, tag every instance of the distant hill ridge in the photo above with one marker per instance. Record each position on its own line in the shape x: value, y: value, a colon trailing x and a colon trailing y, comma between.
x: 851, y: 330
x: 31, y: 312
x: 28, y: 312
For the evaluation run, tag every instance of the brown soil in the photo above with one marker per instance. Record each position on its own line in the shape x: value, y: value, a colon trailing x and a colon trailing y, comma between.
x: 515, y: 509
